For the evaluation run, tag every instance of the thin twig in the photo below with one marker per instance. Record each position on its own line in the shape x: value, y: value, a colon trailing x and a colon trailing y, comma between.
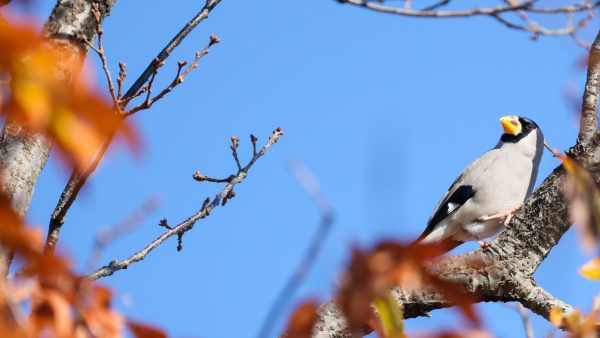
x: 312, y: 187
x: 235, y: 142
x: 79, y: 176
x: 436, y: 5
x: 201, y: 178
x: 526, y: 322
x: 179, y: 77
x: 554, y: 152
x: 253, y: 139
x: 520, y: 8
x: 438, y: 14
x: 120, y: 79
x: 102, y: 55
x: 164, y: 54
x: 537, y: 29
x: 188, y: 224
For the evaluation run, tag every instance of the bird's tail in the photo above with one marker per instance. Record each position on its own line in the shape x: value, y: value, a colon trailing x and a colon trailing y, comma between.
x: 446, y: 244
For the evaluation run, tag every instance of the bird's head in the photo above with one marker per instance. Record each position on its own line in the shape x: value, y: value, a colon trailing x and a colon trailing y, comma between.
x: 522, y: 133
x: 517, y: 128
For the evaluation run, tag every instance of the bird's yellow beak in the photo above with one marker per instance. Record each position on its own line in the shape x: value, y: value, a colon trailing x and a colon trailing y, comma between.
x: 511, y: 125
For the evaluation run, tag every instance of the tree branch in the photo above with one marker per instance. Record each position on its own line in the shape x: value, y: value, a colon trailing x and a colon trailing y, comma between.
x: 511, y: 6
x: 220, y: 199
x: 79, y: 176
x: 589, y: 109
x: 23, y: 154
x: 503, y: 271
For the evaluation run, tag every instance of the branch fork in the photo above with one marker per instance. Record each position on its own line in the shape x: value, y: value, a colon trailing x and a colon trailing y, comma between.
x: 180, y: 229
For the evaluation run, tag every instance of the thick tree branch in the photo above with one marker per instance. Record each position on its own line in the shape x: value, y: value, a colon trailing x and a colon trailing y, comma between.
x: 503, y: 271
x: 589, y: 111
x: 23, y: 154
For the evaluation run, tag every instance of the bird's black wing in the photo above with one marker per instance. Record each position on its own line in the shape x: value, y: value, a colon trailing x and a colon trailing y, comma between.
x: 448, y: 205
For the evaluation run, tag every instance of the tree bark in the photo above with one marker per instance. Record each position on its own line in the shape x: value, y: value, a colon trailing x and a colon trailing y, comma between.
x: 23, y: 154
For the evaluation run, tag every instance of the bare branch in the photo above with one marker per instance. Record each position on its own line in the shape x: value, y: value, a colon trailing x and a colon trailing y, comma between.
x: 120, y: 79
x: 510, y: 6
x: 235, y: 142
x: 164, y: 54
x: 188, y: 224
x: 79, y: 176
x: 102, y: 55
x: 436, y: 5
x: 179, y: 77
x: 437, y: 14
x: 201, y: 178
x: 253, y: 139
x: 312, y: 187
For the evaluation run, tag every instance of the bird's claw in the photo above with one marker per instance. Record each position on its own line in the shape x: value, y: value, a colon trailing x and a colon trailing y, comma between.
x: 483, y: 244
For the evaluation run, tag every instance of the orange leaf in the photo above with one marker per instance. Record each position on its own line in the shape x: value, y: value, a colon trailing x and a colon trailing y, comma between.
x: 302, y: 321
x: 556, y: 317
x: 144, y: 330
x: 591, y: 269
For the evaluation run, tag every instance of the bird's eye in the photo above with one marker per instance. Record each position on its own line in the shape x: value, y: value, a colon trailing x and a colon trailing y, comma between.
x: 528, y: 127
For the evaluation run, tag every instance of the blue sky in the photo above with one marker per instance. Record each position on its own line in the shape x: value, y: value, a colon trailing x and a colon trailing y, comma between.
x: 385, y: 111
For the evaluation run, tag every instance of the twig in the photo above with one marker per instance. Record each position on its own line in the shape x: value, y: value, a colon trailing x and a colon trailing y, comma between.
x: 253, y: 139
x: 436, y: 5
x: 109, y: 235
x: 79, y: 176
x: 554, y: 152
x: 235, y: 142
x: 526, y: 322
x: 536, y: 29
x: 520, y: 8
x: 188, y: 224
x: 102, y: 55
x: 201, y: 178
x: 120, y: 79
x: 437, y: 14
x: 179, y: 77
x: 157, y: 65
x: 312, y: 187
x: 164, y: 54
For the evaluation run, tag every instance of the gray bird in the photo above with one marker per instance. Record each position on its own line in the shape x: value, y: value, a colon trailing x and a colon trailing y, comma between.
x: 486, y: 194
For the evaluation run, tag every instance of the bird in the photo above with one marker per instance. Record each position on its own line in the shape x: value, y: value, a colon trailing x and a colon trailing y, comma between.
x: 483, y: 198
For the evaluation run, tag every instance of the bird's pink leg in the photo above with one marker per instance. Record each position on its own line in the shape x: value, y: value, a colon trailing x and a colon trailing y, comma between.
x: 483, y: 244
x: 506, y: 215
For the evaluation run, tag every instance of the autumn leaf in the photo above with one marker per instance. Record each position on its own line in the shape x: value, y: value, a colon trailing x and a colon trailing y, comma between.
x: 98, y: 316
x: 591, y: 269
x: 302, y: 321
x: 74, y: 117
x: 140, y: 330
x: 582, y: 193
x: 52, y: 311
x: 371, y: 274
x: 391, y: 317
x: 571, y: 321
x: 556, y: 317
